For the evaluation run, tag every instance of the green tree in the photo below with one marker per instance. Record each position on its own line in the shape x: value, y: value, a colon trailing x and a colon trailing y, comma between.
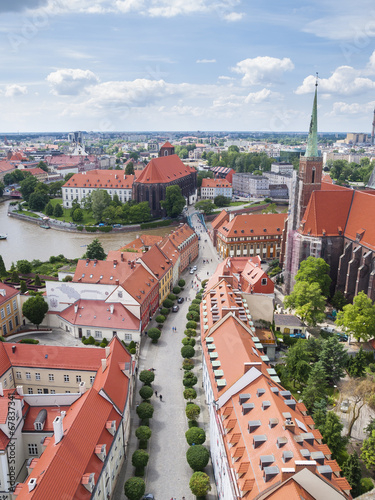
x: 181, y: 283
x: 147, y: 377
x: 34, y: 309
x: 145, y: 411
x: 189, y: 382
x: 49, y: 209
x: 174, y: 201
x: 190, y: 393
x: 297, y: 362
x: 187, y: 351
x: 58, y: 210
x: 357, y: 364
x: 200, y: 484
x: 320, y: 412
x: 221, y: 201
x: 351, y: 470
x: 95, y: 250
x: 129, y: 169
x: 331, y: 432
x: 37, y: 201
x: 37, y: 280
x: 197, y: 457
x: 68, y: 176
x: 334, y: 359
x: 1, y: 188
x: 195, y: 435
x: 24, y: 266
x: 140, y: 459
x: 143, y: 433
x: 358, y: 318
x: 23, y: 287
x: 100, y: 200
x: 154, y: 334
x: 204, y: 174
x: 338, y: 300
x: 43, y: 166
x: 27, y: 186
x: 192, y: 411
x: 206, y: 206
x: 3, y: 271
x: 316, y: 386
x: 315, y: 270
x: 77, y: 215
x: 308, y: 302
x: 368, y: 452
x: 146, y: 392
x: 140, y: 212
x: 135, y: 488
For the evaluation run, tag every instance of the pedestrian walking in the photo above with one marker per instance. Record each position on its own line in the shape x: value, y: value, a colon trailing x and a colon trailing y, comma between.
x: 161, y: 397
x: 156, y: 393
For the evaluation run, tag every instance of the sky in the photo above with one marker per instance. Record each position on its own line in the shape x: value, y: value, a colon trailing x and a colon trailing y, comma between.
x: 186, y: 65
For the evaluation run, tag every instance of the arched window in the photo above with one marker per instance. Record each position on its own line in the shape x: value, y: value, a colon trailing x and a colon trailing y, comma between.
x: 313, y: 175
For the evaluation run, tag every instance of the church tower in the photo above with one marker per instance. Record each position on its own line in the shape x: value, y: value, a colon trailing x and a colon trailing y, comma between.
x: 310, y: 165
x: 167, y: 149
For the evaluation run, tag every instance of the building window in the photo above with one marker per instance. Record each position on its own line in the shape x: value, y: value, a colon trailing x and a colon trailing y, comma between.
x: 5, y: 329
x: 53, y: 391
x: 66, y: 378
x: 78, y: 379
x: 128, y: 336
x: 28, y: 376
x: 37, y: 376
x: 33, y: 449
x: 18, y: 375
x: 67, y: 392
x: 14, y: 305
x: 98, y: 334
x: 51, y: 377
x: 8, y: 309
x: 88, y: 332
x: 17, y: 320
x: 10, y: 376
x: 29, y: 390
x: 40, y: 391
x: 92, y: 378
x: 2, y: 312
x: 5, y: 383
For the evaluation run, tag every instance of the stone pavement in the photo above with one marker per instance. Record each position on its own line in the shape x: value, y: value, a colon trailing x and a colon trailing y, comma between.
x: 168, y: 473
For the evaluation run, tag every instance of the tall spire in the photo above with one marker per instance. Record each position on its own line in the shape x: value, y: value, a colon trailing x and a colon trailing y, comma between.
x: 312, y: 140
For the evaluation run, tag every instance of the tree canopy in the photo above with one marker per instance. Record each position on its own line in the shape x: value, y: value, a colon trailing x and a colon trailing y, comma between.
x: 35, y: 308
x: 308, y: 302
x: 315, y: 270
x: 100, y: 200
x: 359, y: 317
x: 174, y: 201
x: 95, y: 250
x: 207, y: 206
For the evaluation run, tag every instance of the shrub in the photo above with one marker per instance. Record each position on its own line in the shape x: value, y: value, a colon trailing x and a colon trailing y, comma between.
x: 103, y: 344
x: 154, y: 334
x: 91, y: 229
x: 188, y: 364
x: 188, y: 341
x: 204, y: 282
x: 165, y: 311
x: 132, y: 351
x: 189, y: 381
x: 192, y: 316
x: 97, y: 343
x: 135, y: 488
x: 187, y: 351
x: 199, y: 296
x: 195, y: 302
x: 147, y: 377
x: 197, y: 457
x: 29, y: 341
x: 168, y: 303
x: 143, y: 433
x: 372, y: 367
x: 181, y: 283
x: 194, y: 308
x: 105, y: 229
x: 160, y: 319
x: 23, y: 288
x: 191, y: 325
x: 190, y: 332
x: 192, y: 411
x: 146, y: 392
x: 200, y: 484
x: 91, y: 340
x: 2, y: 339
x: 190, y: 393
x: 195, y: 435
x: 140, y: 459
x: 192, y: 423
x: 145, y: 410
x: 176, y: 290
x: 80, y: 228
x: 366, y: 485
x: 172, y: 297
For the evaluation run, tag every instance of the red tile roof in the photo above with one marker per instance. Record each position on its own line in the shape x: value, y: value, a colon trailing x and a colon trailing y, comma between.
x: 164, y: 169
x: 6, y: 293
x: 250, y: 225
x: 104, y: 271
x: 6, y: 167
x: 5, y: 363
x: 4, y: 440
x: 169, y: 250
x: 216, y: 183
x: 109, y: 179
x: 156, y: 261
x: 180, y: 235
x: 360, y: 222
x: 33, y: 412
x: 218, y: 221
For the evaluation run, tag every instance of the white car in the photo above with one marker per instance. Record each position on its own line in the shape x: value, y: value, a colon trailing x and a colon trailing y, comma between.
x: 191, y: 271
x: 194, y: 268
x: 345, y: 406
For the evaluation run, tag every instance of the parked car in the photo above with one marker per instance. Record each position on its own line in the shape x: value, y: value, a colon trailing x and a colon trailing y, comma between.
x: 180, y: 300
x: 194, y: 268
x: 175, y: 309
x: 116, y: 225
x: 148, y: 496
x: 191, y: 271
x: 345, y: 406
x: 297, y: 335
x: 343, y: 338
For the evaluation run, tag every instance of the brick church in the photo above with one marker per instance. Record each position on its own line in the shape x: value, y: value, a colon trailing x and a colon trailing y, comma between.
x: 166, y: 170
x: 331, y: 222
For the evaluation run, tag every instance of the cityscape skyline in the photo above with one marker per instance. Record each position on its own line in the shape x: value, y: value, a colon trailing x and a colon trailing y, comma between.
x: 135, y: 65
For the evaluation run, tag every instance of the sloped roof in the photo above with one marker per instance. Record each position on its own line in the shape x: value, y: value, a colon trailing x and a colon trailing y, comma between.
x: 218, y: 221
x: 180, y: 235
x: 6, y: 293
x: 33, y: 412
x: 140, y: 283
x: 97, y: 313
x: 253, y: 225
x: 95, y: 179
x: 169, y: 250
x: 5, y: 363
x: 103, y: 271
x: 164, y: 169
x: 156, y: 261
x: 360, y: 221
x: 6, y: 166
x: 216, y: 183
x: 4, y: 440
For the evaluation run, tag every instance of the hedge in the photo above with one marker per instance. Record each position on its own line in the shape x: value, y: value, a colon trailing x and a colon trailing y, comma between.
x: 29, y: 341
x: 91, y: 229
x: 105, y: 229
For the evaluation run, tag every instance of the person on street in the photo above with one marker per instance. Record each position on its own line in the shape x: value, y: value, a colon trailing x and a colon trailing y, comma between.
x: 161, y: 397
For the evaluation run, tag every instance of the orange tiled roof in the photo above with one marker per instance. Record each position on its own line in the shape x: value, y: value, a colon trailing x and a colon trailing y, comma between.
x: 103, y: 271
x: 95, y: 179
x: 180, y: 235
x: 164, y: 169
x: 33, y: 412
x: 140, y: 283
x: 169, y: 250
x: 218, y: 221
x: 5, y: 363
x: 6, y: 293
x: 215, y: 183
x: 6, y: 166
x: 360, y: 222
x: 250, y: 225
x: 156, y: 261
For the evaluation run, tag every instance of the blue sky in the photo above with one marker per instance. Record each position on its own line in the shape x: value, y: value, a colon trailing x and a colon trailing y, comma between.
x: 133, y: 65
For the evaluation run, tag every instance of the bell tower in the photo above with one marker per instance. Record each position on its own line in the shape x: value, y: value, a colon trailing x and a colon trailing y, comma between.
x: 310, y: 165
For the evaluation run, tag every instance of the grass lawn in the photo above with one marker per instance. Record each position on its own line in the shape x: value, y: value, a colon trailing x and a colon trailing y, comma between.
x: 88, y: 219
x: 26, y: 212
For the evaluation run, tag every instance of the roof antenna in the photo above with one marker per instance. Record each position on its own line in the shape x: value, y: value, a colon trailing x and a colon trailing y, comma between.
x: 317, y: 78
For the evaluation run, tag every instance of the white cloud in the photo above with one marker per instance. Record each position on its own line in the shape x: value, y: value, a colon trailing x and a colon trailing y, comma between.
x: 234, y: 16
x: 355, y: 108
x: 71, y: 81
x: 262, y: 70
x: 345, y: 80
x: 257, y: 97
x: 15, y: 90
x: 356, y: 27
x: 205, y: 61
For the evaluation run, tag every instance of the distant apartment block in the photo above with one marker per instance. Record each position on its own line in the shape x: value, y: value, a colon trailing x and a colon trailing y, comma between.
x: 215, y: 187
x: 250, y: 185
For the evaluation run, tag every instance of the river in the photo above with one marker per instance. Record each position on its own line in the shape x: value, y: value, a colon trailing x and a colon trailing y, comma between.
x: 28, y: 241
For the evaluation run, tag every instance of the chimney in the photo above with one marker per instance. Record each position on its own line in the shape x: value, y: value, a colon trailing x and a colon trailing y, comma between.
x: 20, y: 390
x: 305, y: 464
x: 117, y: 282
x: 32, y: 483
x: 75, y: 308
x: 1, y: 390
x: 13, y: 349
x: 58, y: 428
x: 286, y: 473
x: 122, y: 256
x: 104, y: 364
x: 111, y: 308
x: 107, y: 351
x: 82, y: 387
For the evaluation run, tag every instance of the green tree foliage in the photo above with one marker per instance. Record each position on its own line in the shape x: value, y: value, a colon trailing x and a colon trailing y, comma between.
x: 139, y: 212
x: 359, y: 317
x: 351, y: 470
x: 204, y: 174
x: 316, y: 386
x: 135, y: 488
x: 368, y: 452
x: 297, y: 362
x: 334, y: 359
x: 100, y: 200
x: 143, y: 433
x: 189, y: 381
x: 221, y: 201
x: 145, y: 411
x: 55, y: 188
x: 154, y: 334
x: 146, y: 392
x: 174, y: 201
x: 187, y: 351
x: 1, y: 188
x: 192, y: 316
x: 140, y: 459
x: 320, y: 412
x: 23, y: 266
x: 315, y: 270
x: 27, y: 186
x: 331, y: 432
x: 3, y: 271
x: 95, y: 250
x: 200, y: 484
x: 370, y: 427
x: 197, y: 457
x: 147, y: 377
x: 49, y: 209
x: 195, y: 435
x: 37, y: 280
x: 338, y: 300
x: 37, y: 201
x: 191, y: 324
x: 192, y: 411
x: 77, y: 215
x: 23, y: 287
x: 181, y: 283
x: 129, y: 169
x: 190, y: 393
x: 206, y: 206
x: 34, y: 309
x: 357, y: 364
x: 43, y: 166
x: 58, y: 210
x: 167, y: 303
x: 308, y: 302
x: 160, y: 319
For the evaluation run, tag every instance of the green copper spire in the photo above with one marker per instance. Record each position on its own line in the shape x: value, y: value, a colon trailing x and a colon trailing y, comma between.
x: 312, y: 140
